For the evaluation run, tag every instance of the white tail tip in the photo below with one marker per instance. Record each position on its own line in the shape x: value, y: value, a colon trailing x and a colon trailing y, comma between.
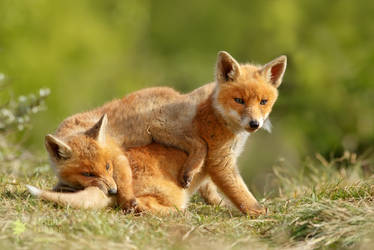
x: 34, y: 190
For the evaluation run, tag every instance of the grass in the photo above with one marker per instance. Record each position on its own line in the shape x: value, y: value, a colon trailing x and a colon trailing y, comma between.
x: 323, y: 204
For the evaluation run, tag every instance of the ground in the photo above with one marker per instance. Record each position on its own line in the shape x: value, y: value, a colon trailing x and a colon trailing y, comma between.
x: 323, y: 203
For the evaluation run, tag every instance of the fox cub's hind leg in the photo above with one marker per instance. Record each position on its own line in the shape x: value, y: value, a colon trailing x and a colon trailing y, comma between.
x: 122, y: 175
x: 210, y: 194
x: 152, y: 204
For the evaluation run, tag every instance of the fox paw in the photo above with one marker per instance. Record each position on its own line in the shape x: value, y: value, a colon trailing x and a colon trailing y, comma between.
x: 261, y: 211
x: 138, y: 209
x: 258, y: 211
x: 129, y: 206
x: 185, y: 180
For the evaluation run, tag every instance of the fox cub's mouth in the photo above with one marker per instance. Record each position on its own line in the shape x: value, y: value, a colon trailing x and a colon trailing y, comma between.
x: 251, y: 130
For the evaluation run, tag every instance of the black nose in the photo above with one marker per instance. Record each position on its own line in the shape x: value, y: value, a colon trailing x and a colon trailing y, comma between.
x: 254, y: 124
x: 112, y: 191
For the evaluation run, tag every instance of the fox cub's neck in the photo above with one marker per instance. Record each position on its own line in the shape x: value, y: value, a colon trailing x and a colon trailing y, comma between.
x: 212, y: 127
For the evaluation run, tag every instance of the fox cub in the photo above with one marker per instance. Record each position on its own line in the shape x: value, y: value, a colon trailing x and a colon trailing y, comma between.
x: 89, y: 159
x: 239, y: 103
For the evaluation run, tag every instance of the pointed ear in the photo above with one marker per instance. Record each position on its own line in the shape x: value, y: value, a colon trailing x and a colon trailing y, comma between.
x: 228, y: 68
x: 274, y: 70
x: 98, y: 131
x: 57, y: 149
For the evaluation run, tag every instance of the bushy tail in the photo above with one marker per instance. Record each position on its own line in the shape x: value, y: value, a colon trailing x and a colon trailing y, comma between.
x: 89, y: 198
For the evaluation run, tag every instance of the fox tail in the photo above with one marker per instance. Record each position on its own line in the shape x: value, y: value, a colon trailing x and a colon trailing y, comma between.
x: 89, y: 198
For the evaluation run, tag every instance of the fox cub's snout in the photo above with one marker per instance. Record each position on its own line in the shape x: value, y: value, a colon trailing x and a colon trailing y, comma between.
x: 254, y: 124
x: 245, y: 94
x: 83, y: 160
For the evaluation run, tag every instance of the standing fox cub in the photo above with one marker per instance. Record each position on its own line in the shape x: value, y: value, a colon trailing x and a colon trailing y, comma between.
x: 211, y: 124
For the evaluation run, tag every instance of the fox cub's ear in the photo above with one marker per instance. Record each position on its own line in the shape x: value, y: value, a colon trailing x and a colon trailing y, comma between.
x: 98, y: 130
x: 228, y: 68
x: 274, y: 70
x: 57, y: 149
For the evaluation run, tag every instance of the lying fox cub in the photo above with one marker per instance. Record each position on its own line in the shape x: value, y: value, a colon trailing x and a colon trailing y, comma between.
x: 151, y: 176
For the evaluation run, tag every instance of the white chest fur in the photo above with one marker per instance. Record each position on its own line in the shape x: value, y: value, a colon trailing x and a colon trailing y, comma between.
x: 239, y: 143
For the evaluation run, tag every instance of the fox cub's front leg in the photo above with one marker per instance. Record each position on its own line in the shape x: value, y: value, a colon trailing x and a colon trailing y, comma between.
x: 225, y: 175
x: 195, y: 147
x: 197, y: 151
x: 122, y: 175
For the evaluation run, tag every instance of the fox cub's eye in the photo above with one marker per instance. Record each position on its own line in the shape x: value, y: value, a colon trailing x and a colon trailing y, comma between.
x: 107, y: 166
x: 87, y: 174
x: 263, y: 101
x: 239, y: 100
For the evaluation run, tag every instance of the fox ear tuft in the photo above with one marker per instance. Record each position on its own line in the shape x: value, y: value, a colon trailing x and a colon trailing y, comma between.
x: 57, y: 149
x: 98, y: 131
x: 274, y: 70
x: 267, y: 125
x: 228, y: 68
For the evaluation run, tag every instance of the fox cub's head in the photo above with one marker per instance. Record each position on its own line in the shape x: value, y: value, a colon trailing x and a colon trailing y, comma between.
x: 245, y: 94
x: 83, y: 160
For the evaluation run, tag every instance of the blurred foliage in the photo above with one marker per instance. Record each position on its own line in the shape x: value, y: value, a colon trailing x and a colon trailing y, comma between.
x: 90, y: 51
x: 15, y: 114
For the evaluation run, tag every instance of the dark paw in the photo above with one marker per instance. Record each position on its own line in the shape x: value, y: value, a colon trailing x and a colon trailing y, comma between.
x: 133, y: 203
x: 186, y: 181
x: 137, y: 208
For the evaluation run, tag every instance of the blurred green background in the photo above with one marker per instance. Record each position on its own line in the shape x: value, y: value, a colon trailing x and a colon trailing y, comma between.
x: 90, y: 51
